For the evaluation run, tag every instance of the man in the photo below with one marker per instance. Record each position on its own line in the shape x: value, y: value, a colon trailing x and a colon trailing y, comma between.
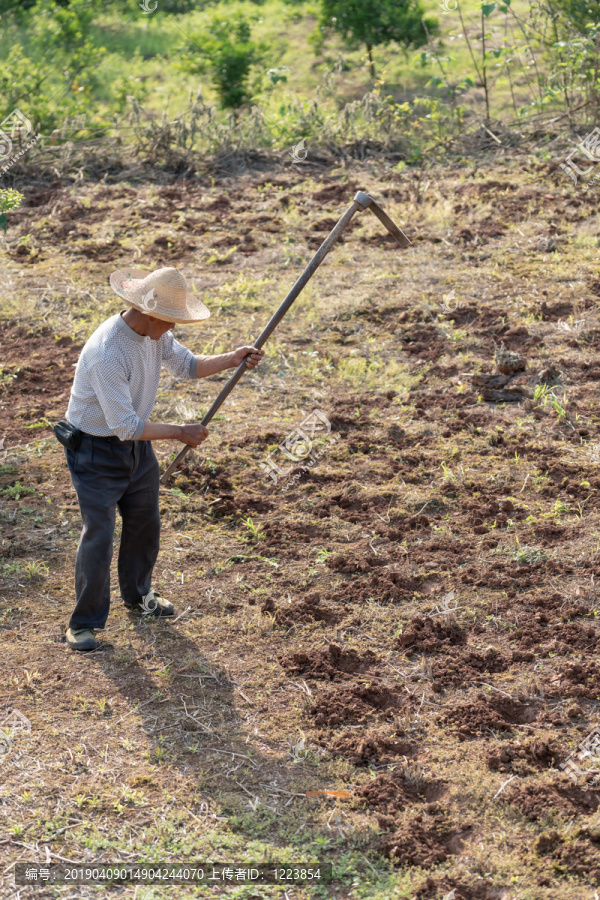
x: 113, y: 465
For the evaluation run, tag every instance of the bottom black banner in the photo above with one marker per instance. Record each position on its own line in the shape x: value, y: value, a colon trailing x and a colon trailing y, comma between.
x: 174, y: 873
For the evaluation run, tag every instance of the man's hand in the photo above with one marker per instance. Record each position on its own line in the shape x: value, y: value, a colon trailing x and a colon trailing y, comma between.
x: 252, y: 355
x: 192, y: 434
x: 210, y: 365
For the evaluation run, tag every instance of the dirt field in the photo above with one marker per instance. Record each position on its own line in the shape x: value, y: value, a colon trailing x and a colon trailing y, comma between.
x: 409, y: 621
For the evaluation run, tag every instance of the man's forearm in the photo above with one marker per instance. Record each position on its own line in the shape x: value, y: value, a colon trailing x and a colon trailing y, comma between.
x: 192, y: 434
x: 210, y: 365
x: 156, y: 431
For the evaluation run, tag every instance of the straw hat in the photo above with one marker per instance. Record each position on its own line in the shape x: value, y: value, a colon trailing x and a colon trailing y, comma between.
x: 163, y: 294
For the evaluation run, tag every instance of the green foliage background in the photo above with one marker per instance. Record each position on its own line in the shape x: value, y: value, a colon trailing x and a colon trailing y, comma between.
x: 210, y: 76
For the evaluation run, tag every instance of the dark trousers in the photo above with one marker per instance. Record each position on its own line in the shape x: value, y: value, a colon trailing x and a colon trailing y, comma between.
x: 107, y: 473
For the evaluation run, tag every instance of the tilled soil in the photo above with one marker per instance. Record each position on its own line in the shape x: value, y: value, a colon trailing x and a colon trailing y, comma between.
x: 418, y: 605
x: 35, y: 376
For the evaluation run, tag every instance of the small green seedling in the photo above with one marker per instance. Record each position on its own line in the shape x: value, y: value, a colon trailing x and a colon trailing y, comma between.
x: 255, y: 534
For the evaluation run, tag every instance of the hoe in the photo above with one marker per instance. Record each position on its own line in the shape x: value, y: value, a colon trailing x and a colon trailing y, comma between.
x: 361, y: 201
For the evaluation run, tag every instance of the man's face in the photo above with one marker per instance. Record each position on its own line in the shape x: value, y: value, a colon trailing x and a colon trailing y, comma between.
x: 157, y: 327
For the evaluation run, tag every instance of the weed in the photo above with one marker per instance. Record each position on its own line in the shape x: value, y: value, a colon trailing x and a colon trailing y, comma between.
x: 254, y: 533
x: 560, y: 410
x: 324, y: 555
x: 221, y: 258
x: 243, y: 293
x: 158, y: 755
x: 240, y: 558
x: 7, y: 377
x: 35, y: 571
x: 42, y: 423
x: 30, y: 680
x: 17, y: 490
x: 544, y: 394
x: 375, y: 373
x: 104, y: 707
x: 132, y: 797
x: 211, y: 465
x: 448, y: 476
x: 529, y: 555
x: 89, y: 801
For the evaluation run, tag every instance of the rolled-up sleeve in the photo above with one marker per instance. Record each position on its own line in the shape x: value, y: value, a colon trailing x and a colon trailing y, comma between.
x: 180, y: 361
x: 111, y: 386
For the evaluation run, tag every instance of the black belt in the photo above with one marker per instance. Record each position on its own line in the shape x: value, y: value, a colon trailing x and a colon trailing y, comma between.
x: 111, y: 438
x: 70, y: 436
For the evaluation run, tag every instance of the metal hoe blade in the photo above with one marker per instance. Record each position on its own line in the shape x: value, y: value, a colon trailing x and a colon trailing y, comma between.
x: 361, y: 201
x: 367, y: 202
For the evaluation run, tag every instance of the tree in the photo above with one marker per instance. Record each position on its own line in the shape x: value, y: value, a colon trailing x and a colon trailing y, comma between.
x: 15, y: 9
x: 228, y: 52
x: 580, y: 14
x: 377, y: 22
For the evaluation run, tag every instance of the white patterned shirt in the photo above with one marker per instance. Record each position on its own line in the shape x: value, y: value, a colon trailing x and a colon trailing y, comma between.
x: 116, y: 379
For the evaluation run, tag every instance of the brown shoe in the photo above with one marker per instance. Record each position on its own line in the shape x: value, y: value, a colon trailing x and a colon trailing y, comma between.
x: 82, y: 639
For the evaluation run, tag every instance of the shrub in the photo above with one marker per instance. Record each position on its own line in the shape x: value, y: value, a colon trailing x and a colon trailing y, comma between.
x: 9, y: 199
